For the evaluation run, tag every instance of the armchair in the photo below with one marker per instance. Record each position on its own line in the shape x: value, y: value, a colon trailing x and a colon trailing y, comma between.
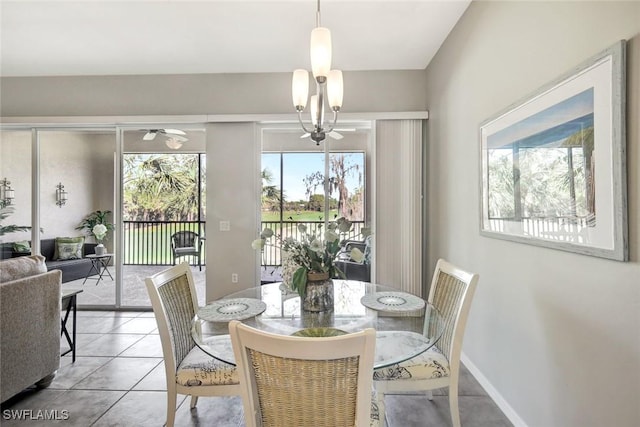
x: 354, y: 270
x: 186, y: 243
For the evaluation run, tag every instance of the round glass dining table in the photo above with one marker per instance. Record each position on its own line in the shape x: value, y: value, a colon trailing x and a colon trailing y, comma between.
x: 405, y: 324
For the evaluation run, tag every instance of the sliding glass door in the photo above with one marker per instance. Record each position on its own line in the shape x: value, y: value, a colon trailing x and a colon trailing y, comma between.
x: 305, y: 184
x: 163, y: 205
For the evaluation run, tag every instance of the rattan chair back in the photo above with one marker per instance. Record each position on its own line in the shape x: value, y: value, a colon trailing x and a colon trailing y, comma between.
x: 299, y: 381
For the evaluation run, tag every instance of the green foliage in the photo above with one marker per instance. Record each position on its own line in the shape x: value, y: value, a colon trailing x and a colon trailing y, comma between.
x: 162, y: 187
x: 5, y: 212
x: 93, y: 219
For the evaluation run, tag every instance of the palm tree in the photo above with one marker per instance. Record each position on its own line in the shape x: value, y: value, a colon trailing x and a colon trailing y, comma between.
x: 161, y: 187
x: 270, y: 193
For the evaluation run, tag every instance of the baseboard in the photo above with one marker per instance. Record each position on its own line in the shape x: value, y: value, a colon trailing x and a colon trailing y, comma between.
x: 504, y: 406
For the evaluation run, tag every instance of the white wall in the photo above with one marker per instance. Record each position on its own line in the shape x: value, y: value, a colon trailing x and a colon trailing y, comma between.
x: 81, y: 161
x: 15, y: 165
x: 233, y: 195
x: 556, y: 334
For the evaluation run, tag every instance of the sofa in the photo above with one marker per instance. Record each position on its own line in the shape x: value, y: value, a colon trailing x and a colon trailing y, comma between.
x: 29, y: 324
x: 72, y: 269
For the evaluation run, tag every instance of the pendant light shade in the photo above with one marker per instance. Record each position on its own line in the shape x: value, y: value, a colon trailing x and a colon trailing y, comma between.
x: 300, y: 89
x: 329, y: 87
x: 313, y: 108
x: 334, y: 89
x: 320, y: 52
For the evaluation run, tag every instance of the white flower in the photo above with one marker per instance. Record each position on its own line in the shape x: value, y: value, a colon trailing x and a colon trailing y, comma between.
x: 316, y: 246
x: 100, y: 231
x: 331, y: 236
x: 344, y: 226
x: 257, y: 244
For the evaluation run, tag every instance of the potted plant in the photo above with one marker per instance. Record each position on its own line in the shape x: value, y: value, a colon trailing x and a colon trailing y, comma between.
x: 312, y: 261
x: 96, y: 224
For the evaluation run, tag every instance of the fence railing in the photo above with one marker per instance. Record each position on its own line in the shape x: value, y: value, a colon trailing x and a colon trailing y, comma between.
x: 565, y: 228
x: 271, y: 252
x: 149, y: 242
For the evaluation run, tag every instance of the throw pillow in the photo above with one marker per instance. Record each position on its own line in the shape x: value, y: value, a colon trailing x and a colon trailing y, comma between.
x: 22, y: 247
x: 25, y: 266
x: 75, y: 251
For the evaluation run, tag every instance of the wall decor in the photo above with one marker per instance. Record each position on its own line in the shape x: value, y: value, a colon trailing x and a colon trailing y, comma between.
x: 554, y: 164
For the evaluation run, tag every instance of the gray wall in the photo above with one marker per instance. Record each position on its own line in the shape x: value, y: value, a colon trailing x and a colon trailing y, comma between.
x: 365, y: 91
x: 556, y: 334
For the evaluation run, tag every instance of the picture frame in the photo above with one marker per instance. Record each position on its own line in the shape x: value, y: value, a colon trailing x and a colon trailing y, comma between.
x: 553, y: 165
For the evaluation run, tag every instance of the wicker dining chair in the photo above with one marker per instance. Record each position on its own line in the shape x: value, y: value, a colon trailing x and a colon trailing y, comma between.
x: 451, y: 293
x: 300, y: 381
x: 189, y: 370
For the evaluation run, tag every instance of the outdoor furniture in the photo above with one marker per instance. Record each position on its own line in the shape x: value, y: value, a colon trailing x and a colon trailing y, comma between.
x: 72, y: 269
x: 188, y: 369
x: 186, y: 243
x: 99, y: 264
x: 69, y: 304
x: 301, y: 381
x: 451, y: 293
x: 355, y: 270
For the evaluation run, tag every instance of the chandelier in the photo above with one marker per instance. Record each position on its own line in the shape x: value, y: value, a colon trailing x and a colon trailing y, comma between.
x: 326, y: 79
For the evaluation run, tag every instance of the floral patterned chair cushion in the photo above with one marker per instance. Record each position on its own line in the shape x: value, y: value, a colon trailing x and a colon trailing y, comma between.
x: 198, y: 368
x: 428, y: 365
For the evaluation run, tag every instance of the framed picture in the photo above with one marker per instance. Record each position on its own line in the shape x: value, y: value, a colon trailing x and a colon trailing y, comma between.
x: 554, y: 165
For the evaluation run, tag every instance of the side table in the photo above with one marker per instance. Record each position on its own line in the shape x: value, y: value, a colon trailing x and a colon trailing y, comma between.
x: 99, y: 265
x: 69, y: 303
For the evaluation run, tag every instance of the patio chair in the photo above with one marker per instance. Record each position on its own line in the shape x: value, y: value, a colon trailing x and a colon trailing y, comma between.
x: 304, y: 381
x: 189, y: 370
x: 451, y: 293
x: 186, y: 243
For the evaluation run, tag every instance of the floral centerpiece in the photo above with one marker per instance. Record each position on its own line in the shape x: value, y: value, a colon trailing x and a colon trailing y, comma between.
x: 312, y: 257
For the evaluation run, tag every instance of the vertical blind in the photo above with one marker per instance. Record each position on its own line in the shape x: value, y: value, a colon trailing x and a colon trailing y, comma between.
x: 398, y: 205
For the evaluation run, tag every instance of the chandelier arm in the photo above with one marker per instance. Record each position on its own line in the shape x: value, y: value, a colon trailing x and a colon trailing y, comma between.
x: 320, y: 108
x: 335, y: 119
x: 301, y: 123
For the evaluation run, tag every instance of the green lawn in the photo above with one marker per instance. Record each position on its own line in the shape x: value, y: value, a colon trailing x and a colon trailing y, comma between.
x: 298, y: 215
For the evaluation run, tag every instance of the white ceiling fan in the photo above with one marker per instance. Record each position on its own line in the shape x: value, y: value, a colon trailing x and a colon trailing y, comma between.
x: 333, y: 134
x: 152, y: 133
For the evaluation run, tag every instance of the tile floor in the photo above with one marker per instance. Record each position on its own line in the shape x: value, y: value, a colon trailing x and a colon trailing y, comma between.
x: 118, y: 380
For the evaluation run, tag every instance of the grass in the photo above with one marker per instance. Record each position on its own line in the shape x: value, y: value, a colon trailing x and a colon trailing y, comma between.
x: 298, y: 215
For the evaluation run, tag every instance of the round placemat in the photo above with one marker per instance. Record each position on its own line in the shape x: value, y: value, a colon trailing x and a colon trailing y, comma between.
x: 392, y: 301
x: 225, y: 310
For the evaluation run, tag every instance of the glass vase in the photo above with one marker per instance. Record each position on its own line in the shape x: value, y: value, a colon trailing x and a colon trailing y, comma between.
x: 319, y: 293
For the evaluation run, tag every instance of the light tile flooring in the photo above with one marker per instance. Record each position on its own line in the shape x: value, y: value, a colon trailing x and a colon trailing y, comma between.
x: 118, y: 380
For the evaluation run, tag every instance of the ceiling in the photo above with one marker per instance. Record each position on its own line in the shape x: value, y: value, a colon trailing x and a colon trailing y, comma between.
x: 108, y: 37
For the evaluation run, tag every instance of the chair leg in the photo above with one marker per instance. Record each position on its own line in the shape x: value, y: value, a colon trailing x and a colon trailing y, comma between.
x: 194, y: 401
x: 171, y: 407
x: 430, y: 394
x: 453, y: 405
x: 381, y: 410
